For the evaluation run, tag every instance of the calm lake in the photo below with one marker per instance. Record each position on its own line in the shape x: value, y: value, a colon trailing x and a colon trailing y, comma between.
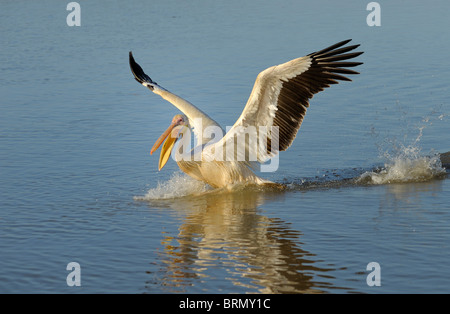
x: 77, y: 182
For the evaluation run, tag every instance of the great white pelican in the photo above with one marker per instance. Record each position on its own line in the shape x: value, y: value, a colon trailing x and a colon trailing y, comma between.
x: 270, y: 120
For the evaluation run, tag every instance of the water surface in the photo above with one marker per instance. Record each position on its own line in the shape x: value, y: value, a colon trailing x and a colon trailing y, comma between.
x: 77, y: 183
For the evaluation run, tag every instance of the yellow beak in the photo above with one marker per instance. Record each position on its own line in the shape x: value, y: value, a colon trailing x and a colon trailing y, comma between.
x: 171, y: 134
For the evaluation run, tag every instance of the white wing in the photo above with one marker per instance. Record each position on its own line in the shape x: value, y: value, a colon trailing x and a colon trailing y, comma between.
x: 279, y: 99
x: 198, y: 120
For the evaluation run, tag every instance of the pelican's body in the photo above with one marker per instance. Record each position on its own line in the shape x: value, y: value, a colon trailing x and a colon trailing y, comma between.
x: 273, y: 114
x: 221, y: 173
x: 197, y: 162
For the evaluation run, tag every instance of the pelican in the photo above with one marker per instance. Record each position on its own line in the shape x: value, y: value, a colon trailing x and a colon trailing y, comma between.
x: 274, y: 113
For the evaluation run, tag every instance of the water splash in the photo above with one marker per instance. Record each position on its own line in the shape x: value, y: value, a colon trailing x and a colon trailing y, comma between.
x: 408, y: 166
x: 178, y: 185
x: 406, y: 163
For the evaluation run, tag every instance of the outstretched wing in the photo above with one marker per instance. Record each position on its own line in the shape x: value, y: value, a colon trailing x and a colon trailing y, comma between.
x: 198, y: 120
x: 280, y: 98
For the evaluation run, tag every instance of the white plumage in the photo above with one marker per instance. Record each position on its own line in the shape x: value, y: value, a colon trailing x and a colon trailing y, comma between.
x: 271, y: 118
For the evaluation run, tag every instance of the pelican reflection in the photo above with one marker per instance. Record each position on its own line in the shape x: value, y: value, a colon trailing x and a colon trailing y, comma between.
x: 227, y: 237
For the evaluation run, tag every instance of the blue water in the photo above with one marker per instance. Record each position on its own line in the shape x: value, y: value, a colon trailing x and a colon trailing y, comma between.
x: 77, y: 183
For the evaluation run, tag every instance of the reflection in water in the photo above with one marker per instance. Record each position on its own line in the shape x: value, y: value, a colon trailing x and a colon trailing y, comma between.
x: 399, y: 195
x: 224, y: 237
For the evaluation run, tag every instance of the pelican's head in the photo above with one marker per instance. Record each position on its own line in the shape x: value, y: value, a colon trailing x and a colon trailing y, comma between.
x: 179, y: 123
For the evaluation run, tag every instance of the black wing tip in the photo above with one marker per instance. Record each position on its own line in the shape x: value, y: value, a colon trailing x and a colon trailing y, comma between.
x: 336, y: 56
x: 335, y: 49
x: 132, y: 62
x: 344, y: 42
x: 339, y: 44
x: 135, y: 68
x: 139, y: 74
